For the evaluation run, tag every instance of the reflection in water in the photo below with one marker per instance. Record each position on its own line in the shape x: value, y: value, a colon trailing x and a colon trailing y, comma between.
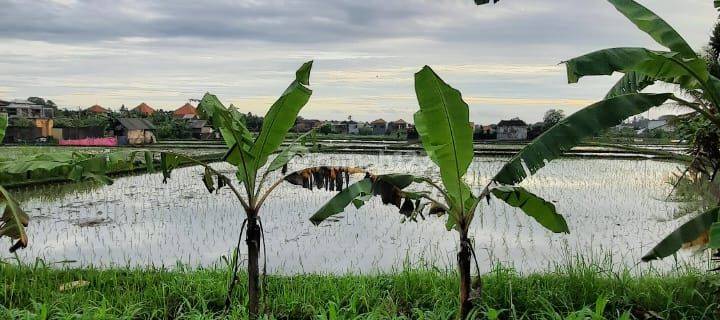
x: 611, y: 206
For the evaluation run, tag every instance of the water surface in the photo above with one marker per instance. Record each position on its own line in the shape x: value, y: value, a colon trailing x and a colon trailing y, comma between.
x: 613, y: 207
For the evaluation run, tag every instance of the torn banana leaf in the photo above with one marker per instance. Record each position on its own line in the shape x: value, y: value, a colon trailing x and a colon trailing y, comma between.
x: 542, y: 211
x: 688, y: 232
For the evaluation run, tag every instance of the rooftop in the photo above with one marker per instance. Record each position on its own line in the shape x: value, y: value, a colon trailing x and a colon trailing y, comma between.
x: 97, y: 109
x: 186, y: 109
x: 144, y: 109
x: 136, y: 124
x: 512, y: 123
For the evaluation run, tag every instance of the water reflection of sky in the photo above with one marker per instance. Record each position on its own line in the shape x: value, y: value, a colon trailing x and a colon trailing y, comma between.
x: 611, y: 206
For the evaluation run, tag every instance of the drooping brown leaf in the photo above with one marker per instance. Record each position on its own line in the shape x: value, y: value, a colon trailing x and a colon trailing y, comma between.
x: 323, y: 177
x: 407, y: 207
x: 436, y: 210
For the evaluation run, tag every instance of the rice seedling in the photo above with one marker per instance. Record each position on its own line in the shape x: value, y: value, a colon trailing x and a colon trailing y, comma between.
x: 610, y: 204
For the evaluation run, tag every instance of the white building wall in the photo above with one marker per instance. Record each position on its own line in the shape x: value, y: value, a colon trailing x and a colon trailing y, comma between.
x: 512, y: 133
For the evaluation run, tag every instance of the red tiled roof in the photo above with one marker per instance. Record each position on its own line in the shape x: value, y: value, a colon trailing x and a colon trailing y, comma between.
x: 97, y: 109
x: 186, y: 109
x: 144, y: 109
x: 378, y: 121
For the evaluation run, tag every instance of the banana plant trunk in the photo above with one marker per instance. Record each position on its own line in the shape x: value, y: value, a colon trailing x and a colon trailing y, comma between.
x: 253, y: 244
x: 463, y: 258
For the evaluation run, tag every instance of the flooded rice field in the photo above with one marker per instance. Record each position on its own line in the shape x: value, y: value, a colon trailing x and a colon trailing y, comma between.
x: 614, y: 208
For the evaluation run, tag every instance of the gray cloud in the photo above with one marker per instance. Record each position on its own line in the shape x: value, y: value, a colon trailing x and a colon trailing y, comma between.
x: 163, y: 52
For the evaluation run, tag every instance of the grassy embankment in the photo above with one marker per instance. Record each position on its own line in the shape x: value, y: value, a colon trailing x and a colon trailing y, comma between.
x: 567, y: 293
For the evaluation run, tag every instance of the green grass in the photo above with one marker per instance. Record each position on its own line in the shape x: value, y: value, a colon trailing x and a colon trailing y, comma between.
x: 576, y: 292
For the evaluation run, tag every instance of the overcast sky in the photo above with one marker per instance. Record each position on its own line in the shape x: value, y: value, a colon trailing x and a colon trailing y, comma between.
x: 504, y: 58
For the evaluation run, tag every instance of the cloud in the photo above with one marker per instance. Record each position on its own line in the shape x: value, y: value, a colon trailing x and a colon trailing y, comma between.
x: 504, y: 57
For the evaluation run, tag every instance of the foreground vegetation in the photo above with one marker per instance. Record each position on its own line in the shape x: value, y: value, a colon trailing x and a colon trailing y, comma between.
x: 579, y: 291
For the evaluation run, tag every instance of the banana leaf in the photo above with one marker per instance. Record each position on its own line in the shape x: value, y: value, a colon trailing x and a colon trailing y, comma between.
x: 281, y: 117
x: 444, y: 127
x: 687, y: 232
x: 294, y: 149
x: 3, y: 126
x: 542, y: 211
x: 344, y: 198
x: 631, y: 82
x: 76, y: 165
x: 714, y: 236
x: 666, y: 66
x: 654, y: 26
x: 237, y: 137
x: 13, y: 220
x: 567, y: 133
x: 389, y: 187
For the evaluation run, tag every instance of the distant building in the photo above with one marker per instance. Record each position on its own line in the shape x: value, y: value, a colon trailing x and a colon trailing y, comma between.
x: 97, y: 109
x: 305, y: 125
x: 201, y: 129
x: 145, y: 109
x: 487, y: 129
x: 135, y: 131
x: 26, y: 109
x: 187, y: 111
x: 397, y: 125
x: 41, y: 116
x: 352, y: 127
x: 514, y: 129
x: 379, y: 126
x: 339, y: 127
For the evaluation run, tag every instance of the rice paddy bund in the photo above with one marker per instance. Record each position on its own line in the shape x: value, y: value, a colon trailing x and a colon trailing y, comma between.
x: 615, y: 209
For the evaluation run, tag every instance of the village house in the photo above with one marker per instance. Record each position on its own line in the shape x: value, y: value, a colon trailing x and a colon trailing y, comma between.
x: 486, y: 129
x: 134, y: 131
x: 201, y: 129
x: 41, y: 116
x: 338, y: 127
x: 98, y: 109
x: 379, y: 126
x: 305, y: 125
x: 513, y: 129
x: 25, y: 109
x: 352, y: 127
x: 187, y: 111
x: 145, y: 109
x: 397, y: 126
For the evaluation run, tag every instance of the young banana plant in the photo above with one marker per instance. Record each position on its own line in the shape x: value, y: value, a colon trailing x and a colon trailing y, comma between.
x: 249, y: 155
x: 446, y: 134
x: 444, y: 128
x: 680, y: 66
x: 13, y: 220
